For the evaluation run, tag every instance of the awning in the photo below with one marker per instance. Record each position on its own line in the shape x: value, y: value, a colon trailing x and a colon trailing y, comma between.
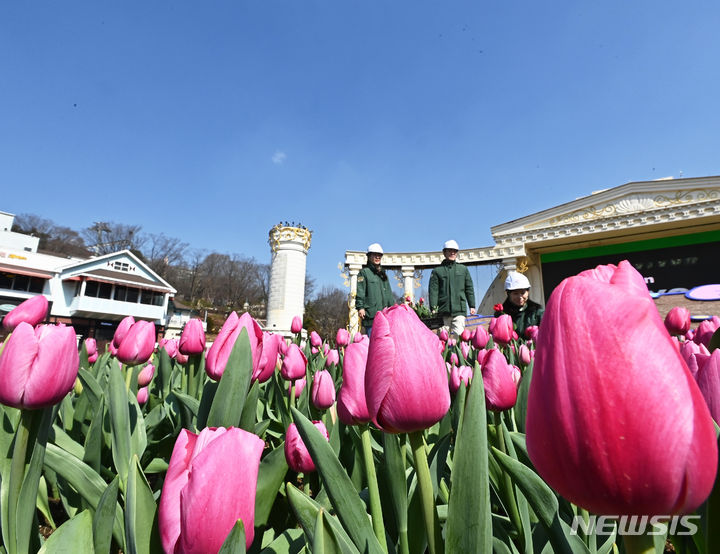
x: 24, y: 271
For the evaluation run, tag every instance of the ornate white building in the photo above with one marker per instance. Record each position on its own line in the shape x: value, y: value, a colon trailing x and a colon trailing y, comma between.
x: 669, y: 229
x: 286, y: 299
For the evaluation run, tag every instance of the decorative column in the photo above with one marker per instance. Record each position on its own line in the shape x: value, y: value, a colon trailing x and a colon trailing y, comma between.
x: 408, y: 273
x: 354, y: 320
x: 289, y: 246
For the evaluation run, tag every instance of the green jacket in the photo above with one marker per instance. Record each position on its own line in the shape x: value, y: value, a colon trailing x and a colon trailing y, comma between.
x: 373, y: 293
x: 530, y: 314
x: 451, y: 289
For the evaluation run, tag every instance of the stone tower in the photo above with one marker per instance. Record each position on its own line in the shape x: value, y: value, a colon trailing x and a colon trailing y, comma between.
x: 289, y: 245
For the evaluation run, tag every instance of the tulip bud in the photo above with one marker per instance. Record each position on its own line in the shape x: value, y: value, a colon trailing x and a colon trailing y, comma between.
x: 142, y: 395
x: 406, y: 385
x: 192, y: 340
x: 323, y: 393
x: 32, y: 311
x: 706, y: 330
x: 38, y: 366
x: 444, y: 336
x: 458, y: 375
x: 219, y: 353
x: 269, y: 356
x: 342, y: 338
x: 465, y: 335
x: 201, y: 500
x: 531, y: 332
x: 500, y: 387
x: 315, y: 339
x: 294, y: 363
x: 145, y: 376
x: 358, y: 337
x: 137, y: 344
x: 333, y: 357
x: 526, y: 355
x: 299, y: 386
x: 170, y: 346
x: 465, y: 349
x: 480, y: 338
x: 90, y: 346
x: 296, y: 325
x: 296, y: 453
x: 122, y: 329
x: 611, y: 393
x: 352, y: 406
x: 677, y: 321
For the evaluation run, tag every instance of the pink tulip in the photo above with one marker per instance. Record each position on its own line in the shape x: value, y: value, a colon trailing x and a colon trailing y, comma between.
x: 192, y: 340
x: 708, y: 379
x: 526, y: 355
x: 444, y: 336
x: 454, y: 359
x: 92, y: 359
x: 315, y: 339
x: 352, y: 406
x: 299, y: 386
x: 32, y: 311
x: 465, y: 349
x: 333, y: 357
x: 142, y: 395
x: 90, y: 346
x: 677, y: 321
x: 296, y: 453
x: 480, y: 338
x: 458, y: 375
x: 342, y: 338
x: 465, y: 336
x: 296, y: 325
x: 220, y: 350
x: 500, y: 388
x: 145, y: 376
x: 137, y: 344
x: 358, y: 337
x: 170, y: 346
x: 688, y: 351
x: 269, y: 357
x: 516, y: 375
x: 201, y: 497
x: 531, y: 332
x: 112, y: 349
x: 406, y: 384
x: 181, y: 358
x: 501, y: 329
x: 615, y: 422
x: 323, y: 392
x: 122, y: 329
x: 294, y: 363
x: 38, y: 365
x: 706, y: 330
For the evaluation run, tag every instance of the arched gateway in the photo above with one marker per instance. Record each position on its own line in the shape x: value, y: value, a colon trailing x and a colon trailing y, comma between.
x: 669, y: 229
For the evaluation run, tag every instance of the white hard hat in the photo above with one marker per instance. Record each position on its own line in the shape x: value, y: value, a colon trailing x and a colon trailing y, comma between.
x: 376, y: 248
x: 516, y: 281
x: 450, y: 245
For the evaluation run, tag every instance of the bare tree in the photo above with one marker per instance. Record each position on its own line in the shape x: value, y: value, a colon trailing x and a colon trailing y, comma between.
x: 164, y: 254
x: 327, y: 312
x: 105, y: 237
x: 53, y: 238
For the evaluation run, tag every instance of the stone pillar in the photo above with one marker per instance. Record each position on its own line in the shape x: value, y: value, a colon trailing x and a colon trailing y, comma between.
x: 354, y: 320
x: 289, y: 247
x: 408, y: 273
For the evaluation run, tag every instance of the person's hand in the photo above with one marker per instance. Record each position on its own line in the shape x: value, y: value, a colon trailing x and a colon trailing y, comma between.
x: 472, y: 311
x: 361, y: 313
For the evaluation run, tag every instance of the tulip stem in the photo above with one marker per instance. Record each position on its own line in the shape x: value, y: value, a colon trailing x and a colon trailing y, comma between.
x: 639, y: 544
x: 373, y: 490
x: 507, y: 484
x: 427, y: 496
x: 193, y: 377
x: 128, y: 376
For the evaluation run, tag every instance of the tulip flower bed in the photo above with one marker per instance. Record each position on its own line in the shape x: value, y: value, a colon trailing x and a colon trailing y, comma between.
x: 409, y: 442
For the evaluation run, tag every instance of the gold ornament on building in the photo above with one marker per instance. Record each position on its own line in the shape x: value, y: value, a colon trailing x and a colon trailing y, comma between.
x: 289, y: 232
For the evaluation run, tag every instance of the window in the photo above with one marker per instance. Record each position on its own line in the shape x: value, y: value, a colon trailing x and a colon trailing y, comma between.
x: 36, y: 285
x: 153, y: 298
x: 105, y: 290
x: 132, y: 294
x: 120, y: 293
x: 6, y: 280
x: 121, y: 266
x: 91, y: 288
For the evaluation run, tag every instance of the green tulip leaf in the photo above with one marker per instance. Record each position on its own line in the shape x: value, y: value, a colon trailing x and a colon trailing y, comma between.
x: 248, y: 418
x: 164, y: 372
x: 192, y: 404
x: 138, y: 436
x: 92, y: 453
x: 469, y: 525
x: 306, y: 512
x: 394, y: 472
x: 318, y: 542
x: 520, y: 409
x: 75, y: 535
x: 350, y: 509
x: 140, y: 513
x: 104, y: 518
x: 227, y: 406
x: 120, y: 424
x: 271, y: 475
x: 290, y: 541
x: 85, y: 481
x: 523, y: 510
x: 543, y: 502
x: 234, y: 543
x: 42, y: 502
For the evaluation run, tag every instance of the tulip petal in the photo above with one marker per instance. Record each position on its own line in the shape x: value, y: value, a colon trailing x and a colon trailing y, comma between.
x: 16, y: 362
x: 380, y: 366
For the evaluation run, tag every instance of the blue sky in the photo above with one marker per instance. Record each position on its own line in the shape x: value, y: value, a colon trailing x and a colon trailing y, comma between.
x: 401, y: 122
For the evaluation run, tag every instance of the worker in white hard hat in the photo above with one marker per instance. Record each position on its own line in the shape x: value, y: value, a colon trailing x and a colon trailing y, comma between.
x: 451, y: 290
x: 524, y: 312
x: 373, y: 288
